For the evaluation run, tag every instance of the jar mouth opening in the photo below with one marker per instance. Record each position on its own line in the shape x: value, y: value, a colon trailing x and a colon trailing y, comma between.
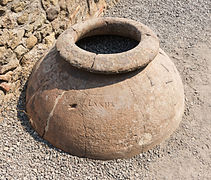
x: 111, y: 37
x: 106, y: 44
x: 144, y: 50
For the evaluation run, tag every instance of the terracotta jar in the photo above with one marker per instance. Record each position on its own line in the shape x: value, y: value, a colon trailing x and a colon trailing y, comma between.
x: 105, y: 106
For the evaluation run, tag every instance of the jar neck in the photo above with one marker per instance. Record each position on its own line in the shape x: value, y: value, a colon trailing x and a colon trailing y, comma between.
x: 138, y: 57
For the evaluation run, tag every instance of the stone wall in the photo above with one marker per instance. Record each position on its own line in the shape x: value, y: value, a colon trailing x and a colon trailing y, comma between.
x: 29, y: 28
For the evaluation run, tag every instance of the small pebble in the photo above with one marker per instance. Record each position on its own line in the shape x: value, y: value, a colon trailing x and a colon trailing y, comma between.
x: 31, y: 42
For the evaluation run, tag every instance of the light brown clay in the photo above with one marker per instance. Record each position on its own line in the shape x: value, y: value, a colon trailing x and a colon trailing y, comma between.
x: 88, y: 107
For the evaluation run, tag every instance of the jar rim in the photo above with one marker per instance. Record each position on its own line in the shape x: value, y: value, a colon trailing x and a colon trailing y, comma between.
x: 136, y: 58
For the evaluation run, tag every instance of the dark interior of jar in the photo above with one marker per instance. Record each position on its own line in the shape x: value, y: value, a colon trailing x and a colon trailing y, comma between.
x: 107, y: 44
x: 109, y: 38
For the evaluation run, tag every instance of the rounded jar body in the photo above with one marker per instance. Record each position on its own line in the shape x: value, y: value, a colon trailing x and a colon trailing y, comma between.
x: 100, y: 113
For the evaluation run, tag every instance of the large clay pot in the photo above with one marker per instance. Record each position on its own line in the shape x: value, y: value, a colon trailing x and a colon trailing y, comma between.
x: 105, y: 106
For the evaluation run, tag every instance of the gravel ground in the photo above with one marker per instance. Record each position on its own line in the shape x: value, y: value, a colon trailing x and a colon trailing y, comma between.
x: 184, y: 28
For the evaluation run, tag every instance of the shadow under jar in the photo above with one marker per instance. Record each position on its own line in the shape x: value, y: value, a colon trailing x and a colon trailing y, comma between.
x: 105, y: 106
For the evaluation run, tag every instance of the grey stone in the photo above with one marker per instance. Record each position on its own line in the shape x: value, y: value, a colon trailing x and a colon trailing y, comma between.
x: 52, y: 13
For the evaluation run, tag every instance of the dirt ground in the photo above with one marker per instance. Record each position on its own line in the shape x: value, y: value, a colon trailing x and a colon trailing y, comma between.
x: 189, y: 148
x: 184, y: 28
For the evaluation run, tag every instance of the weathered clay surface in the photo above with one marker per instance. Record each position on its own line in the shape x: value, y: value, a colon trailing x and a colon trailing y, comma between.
x: 104, y: 116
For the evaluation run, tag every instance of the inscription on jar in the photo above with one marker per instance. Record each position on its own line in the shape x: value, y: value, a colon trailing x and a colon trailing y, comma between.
x: 103, y: 104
